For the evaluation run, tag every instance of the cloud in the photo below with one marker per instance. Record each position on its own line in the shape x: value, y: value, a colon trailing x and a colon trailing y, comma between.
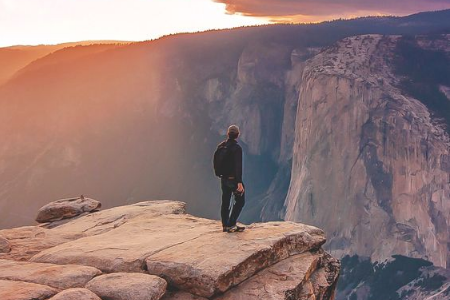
x: 316, y: 10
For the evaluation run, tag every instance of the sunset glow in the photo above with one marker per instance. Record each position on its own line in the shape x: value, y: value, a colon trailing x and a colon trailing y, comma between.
x: 31, y: 22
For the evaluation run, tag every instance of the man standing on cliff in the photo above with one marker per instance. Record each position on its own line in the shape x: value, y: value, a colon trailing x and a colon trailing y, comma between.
x: 229, y: 169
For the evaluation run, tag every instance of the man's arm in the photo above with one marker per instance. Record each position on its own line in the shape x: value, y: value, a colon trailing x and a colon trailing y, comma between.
x: 238, y: 164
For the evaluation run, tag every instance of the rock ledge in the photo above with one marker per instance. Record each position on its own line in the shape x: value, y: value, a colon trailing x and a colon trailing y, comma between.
x: 154, y: 250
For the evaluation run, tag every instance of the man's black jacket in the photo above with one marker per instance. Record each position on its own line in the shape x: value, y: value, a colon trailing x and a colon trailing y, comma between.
x: 233, y: 165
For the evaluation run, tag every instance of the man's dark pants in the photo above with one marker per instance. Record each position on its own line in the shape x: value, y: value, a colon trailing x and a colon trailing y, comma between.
x: 228, y: 187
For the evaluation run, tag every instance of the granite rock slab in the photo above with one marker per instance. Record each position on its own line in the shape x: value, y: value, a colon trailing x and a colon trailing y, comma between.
x: 66, y: 208
x: 212, y: 263
x: 76, y: 294
x: 56, y: 276
x: 128, y: 286
x: 19, y: 290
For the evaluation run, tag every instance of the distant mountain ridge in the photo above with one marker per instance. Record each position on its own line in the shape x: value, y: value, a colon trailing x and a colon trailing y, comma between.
x: 14, y: 58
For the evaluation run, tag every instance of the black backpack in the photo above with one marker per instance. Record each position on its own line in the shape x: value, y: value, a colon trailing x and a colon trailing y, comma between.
x: 220, y: 158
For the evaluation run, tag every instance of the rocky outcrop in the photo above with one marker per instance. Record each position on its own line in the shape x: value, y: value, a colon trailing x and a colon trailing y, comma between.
x: 76, y: 294
x: 370, y: 165
x: 289, y: 279
x: 19, y: 290
x: 24, y: 242
x: 66, y: 208
x: 55, y: 276
x: 152, y: 246
x: 125, y: 286
x: 193, y: 266
x: 181, y: 296
x: 31, y: 240
x: 140, y: 245
x: 5, y: 246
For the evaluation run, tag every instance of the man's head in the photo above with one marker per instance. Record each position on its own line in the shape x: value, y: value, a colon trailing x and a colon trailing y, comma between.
x: 233, y: 132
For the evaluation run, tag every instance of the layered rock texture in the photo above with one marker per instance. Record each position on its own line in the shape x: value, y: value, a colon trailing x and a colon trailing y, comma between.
x: 66, y: 208
x: 154, y: 250
x: 370, y: 163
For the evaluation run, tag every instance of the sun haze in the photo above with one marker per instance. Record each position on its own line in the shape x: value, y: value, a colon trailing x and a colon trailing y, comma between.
x: 32, y: 22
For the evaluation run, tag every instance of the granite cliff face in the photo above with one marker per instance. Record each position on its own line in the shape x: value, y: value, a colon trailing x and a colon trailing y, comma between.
x: 154, y: 250
x: 370, y: 163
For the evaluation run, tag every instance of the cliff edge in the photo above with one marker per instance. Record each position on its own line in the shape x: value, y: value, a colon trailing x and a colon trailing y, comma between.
x: 370, y: 161
x: 155, y: 250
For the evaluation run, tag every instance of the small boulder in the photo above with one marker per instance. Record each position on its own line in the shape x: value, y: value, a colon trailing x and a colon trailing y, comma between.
x: 19, y: 290
x: 76, y: 294
x: 55, y: 276
x: 5, y: 246
x: 66, y: 208
x: 180, y: 295
x: 127, y: 286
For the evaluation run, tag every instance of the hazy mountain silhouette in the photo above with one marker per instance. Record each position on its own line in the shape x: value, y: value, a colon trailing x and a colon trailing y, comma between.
x: 15, y: 58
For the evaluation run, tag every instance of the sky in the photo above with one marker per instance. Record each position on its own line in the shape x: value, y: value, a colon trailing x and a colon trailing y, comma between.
x: 31, y: 22
x: 323, y: 10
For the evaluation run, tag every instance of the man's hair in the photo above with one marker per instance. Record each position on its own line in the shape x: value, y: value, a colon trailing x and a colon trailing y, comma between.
x: 233, y: 135
x: 233, y: 132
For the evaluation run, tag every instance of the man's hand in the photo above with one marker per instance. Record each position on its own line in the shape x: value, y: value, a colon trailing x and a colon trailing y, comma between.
x: 240, y: 188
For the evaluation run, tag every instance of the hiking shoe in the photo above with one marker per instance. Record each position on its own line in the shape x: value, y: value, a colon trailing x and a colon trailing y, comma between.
x: 235, y: 228
x: 240, y: 228
x: 225, y: 228
x: 232, y: 229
